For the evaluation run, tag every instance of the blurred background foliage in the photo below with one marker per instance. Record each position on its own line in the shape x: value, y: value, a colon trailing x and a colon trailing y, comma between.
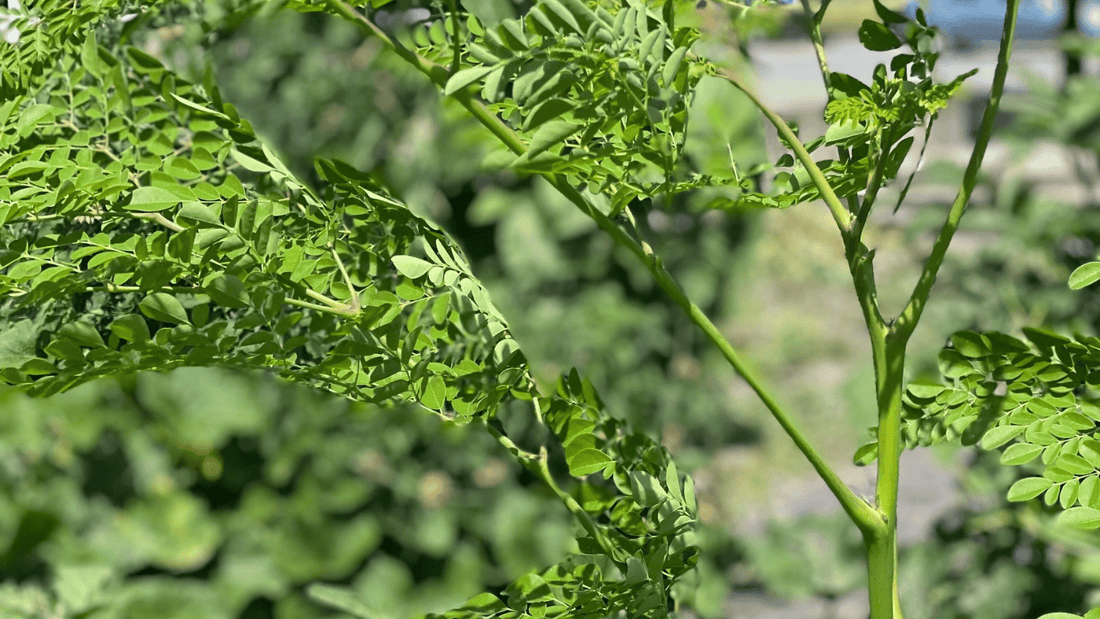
x: 214, y: 494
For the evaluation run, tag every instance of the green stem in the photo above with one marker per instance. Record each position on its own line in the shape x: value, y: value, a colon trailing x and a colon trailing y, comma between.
x: 865, y: 516
x: 873, y: 186
x: 827, y: 78
x: 910, y: 316
x: 160, y: 219
x: 352, y: 305
x: 538, y: 465
x: 841, y: 215
x: 889, y: 356
x: 339, y: 311
x: 456, y: 58
x: 819, y: 42
x: 882, y: 579
x: 889, y: 360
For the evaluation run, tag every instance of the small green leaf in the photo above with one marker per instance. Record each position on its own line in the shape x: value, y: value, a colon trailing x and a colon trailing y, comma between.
x: 131, y: 328
x: 645, y: 488
x: 877, y: 37
x: 1074, y: 464
x: 588, y: 461
x: 1044, y: 337
x: 227, y: 291
x: 1000, y: 435
x: 1061, y: 616
x: 1028, y: 488
x: 866, y: 454
x: 672, y: 66
x: 887, y: 15
x: 411, y: 267
x: 1080, y: 518
x: 31, y: 116
x: 435, y: 393
x: 485, y: 604
x: 164, y: 307
x: 82, y: 332
x: 89, y: 56
x: 250, y: 163
x: 650, y: 41
x: 838, y: 132
x: 925, y: 389
x: 199, y: 212
x: 559, y: 10
x: 1020, y: 453
x: 340, y: 599
x: 635, y: 570
x: 465, y: 77
x: 182, y: 169
x: 17, y: 345
x: 198, y: 107
x: 1089, y: 491
x: 550, y: 134
x: 1068, y: 496
x: 1084, y: 275
x: 150, y: 199
x: 971, y: 344
x: 672, y: 482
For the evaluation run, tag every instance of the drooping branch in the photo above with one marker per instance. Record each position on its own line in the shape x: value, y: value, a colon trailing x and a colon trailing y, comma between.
x: 865, y: 516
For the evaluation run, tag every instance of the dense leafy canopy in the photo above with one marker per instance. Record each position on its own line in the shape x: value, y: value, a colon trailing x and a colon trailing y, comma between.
x: 145, y: 227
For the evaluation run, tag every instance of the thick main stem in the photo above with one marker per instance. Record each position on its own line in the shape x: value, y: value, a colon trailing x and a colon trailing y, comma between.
x: 882, y: 549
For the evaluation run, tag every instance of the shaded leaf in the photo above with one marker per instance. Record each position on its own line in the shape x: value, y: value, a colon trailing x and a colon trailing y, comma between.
x: 165, y: 308
x: 877, y: 37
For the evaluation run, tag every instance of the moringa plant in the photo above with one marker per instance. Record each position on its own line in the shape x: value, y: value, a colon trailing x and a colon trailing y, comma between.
x: 145, y: 226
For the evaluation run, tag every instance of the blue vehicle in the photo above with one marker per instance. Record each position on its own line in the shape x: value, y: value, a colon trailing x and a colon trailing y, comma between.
x: 970, y: 22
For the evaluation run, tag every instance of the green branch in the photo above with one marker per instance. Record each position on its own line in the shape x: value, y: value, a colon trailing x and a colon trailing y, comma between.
x: 865, y: 516
x: 826, y: 77
x: 910, y: 316
x: 841, y: 215
x: 873, y: 186
x: 538, y: 465
x: 818, y: 41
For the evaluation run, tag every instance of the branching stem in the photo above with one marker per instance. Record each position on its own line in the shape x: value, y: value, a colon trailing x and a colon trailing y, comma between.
x: 841, y: 215
x: 866, y: 517
x: 910, y: 316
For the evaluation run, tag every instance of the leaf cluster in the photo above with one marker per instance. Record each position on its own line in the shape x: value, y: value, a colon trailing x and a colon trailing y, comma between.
x: 1031, y: 398
x: 870, y: 123
x: 146, y: 227
x: 600, y: 95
